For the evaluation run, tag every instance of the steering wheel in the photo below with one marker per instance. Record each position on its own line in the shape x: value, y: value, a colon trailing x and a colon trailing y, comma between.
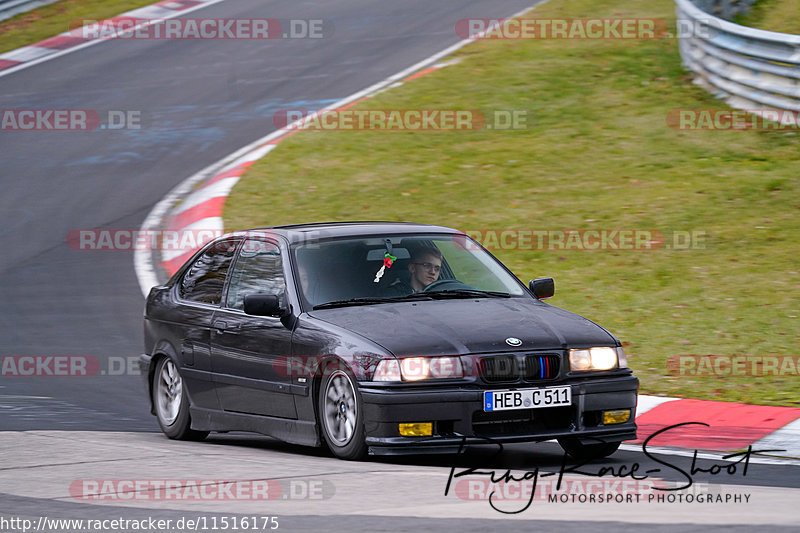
x: 444, y: 284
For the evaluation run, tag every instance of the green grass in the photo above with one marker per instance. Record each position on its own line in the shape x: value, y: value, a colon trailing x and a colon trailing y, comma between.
x: 41, y: 23
x: 773, y: 15
x: 597, y: 155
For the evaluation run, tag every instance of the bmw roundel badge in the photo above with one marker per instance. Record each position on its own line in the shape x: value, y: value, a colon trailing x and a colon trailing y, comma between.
x: 513, y: 341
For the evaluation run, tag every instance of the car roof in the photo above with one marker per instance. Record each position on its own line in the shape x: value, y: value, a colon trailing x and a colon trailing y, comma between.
x: 322, y: 230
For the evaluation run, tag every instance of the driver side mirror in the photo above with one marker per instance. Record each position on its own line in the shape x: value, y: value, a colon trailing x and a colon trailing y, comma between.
x: 263, y: 305
x: 542, y: 288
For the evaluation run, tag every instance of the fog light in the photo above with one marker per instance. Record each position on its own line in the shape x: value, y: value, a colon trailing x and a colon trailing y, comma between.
x: 417, y: 429
x: 616, y: 417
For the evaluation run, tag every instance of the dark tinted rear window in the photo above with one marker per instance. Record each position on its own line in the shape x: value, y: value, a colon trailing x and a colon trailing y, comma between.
x: 204, y: 280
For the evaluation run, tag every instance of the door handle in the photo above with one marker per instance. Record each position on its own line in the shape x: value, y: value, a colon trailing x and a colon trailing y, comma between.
x: 222, y: 327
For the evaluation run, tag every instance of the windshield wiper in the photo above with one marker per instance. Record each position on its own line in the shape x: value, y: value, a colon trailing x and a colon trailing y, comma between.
x: 466, y: 293
x: 438, y: 295
x: 371, y: 301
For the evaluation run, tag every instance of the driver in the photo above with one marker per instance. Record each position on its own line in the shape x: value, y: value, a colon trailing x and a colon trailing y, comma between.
x: 424, y: 267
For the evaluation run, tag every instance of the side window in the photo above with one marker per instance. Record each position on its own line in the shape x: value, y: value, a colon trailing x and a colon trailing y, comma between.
x: 469, y: 268
x: 204, y: 280
x: 259, y: 269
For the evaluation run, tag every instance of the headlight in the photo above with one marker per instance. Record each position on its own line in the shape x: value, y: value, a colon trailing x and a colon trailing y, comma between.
x: 417, y: 368
x: 387, y: 370
x: 600, y: 358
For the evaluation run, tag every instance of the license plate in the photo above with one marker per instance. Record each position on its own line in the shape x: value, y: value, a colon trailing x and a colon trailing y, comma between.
x: 506, y: 400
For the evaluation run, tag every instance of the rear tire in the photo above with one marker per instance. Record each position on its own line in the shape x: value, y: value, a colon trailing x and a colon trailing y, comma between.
x: 588, y: 452
x: 171, y: 402
x: 341, y: 415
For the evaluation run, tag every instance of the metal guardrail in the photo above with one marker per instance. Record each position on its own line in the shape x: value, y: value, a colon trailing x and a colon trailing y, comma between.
x: 751, y: 69
x: 724, y: 9
x: 9, y: 8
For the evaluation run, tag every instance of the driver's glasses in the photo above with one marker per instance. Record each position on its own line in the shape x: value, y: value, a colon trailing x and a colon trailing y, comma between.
x: 430, y: 266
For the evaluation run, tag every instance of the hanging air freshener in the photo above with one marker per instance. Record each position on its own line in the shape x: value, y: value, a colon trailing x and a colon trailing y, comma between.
x: 388, y: 259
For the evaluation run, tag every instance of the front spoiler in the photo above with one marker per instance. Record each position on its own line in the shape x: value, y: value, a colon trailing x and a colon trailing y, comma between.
x: 453, y: 409
x: 454, y: 444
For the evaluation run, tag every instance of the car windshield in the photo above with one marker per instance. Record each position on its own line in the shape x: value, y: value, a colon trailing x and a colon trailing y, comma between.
x: 378, y: 269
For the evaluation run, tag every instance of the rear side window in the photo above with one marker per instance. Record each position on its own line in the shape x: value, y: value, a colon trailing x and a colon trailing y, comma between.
x: 204, y: 280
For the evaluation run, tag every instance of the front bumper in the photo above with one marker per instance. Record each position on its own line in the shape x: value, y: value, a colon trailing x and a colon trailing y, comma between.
x: 458, y: 417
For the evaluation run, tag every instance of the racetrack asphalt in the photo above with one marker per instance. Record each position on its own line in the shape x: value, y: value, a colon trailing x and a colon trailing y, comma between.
x: 199, y: 102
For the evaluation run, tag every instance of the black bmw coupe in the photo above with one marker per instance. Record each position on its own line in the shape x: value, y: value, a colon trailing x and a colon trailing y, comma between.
x: 379, y: 338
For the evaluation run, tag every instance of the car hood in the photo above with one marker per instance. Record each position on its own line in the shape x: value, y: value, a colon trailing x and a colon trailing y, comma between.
x: 467, y: 326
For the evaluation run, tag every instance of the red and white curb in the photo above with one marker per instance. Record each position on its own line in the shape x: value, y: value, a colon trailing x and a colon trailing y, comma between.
x: 76, y: 39
x: 201, y: 209
x: 720, y: 426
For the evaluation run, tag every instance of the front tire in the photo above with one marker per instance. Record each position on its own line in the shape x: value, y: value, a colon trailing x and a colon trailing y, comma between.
x: 588, y: 452
x: 341, y: 415
x: 172, y: 403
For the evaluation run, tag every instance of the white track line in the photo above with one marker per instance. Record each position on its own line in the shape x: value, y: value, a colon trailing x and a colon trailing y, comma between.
x: 785, y: 438
x: 221, y: 188
x: 28, y: 53
x: 649, y: 402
